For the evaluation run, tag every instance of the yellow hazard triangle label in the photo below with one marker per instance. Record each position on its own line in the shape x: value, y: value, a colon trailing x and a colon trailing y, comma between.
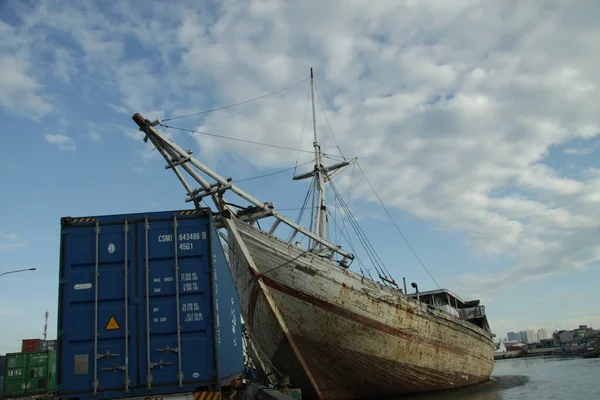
x: 112, y: 324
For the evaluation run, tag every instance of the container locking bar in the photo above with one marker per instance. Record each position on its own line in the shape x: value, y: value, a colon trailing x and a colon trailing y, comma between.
x: 96, y: 383
x: 160, y: 364
x: 126, y: 276
x: 108, y: 354
x: 169, y: 350
x: 116, y: 368
x: 149, y: 370
x: 179, y: 363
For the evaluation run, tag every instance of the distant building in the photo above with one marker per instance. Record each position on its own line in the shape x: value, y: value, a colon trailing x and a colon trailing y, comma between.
x: 543, y: 334
x: 514, y: 336
x: 523, y: 337
x: 592, y: 334
x: 566, y: 336
x: 529, y: 336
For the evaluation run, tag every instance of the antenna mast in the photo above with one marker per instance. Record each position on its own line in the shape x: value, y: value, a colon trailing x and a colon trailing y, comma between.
x: 46, y: 325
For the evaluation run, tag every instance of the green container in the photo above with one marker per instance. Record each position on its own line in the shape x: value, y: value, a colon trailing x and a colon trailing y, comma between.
x: 28, y: 374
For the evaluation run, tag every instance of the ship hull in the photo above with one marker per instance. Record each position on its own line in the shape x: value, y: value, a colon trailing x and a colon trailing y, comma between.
x: 358, y: 339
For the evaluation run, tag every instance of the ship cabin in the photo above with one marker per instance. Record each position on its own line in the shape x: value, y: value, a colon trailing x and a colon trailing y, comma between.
x: 447, y: 301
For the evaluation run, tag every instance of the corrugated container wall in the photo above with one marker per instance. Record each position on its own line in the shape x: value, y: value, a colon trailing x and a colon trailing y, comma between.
x: 30, y: 345
x: 29, y: 374
x: 147, y: 306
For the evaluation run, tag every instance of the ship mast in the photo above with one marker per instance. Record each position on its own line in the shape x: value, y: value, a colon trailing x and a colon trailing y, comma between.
x: 322, y: 174
x: 320, y: 226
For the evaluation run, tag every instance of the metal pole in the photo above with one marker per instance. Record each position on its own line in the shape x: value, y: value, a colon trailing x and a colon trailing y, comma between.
x: 18, y: 270
x: 177, y: 304
x: 126, y: 277
x: 149, y: 363
x: 96, y: 281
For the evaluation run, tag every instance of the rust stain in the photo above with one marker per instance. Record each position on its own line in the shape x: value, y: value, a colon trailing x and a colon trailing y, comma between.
x: 306, y: 270
x: 344, y: 293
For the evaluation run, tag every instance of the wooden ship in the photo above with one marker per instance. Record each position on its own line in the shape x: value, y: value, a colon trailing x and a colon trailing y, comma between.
x: 336, y: 333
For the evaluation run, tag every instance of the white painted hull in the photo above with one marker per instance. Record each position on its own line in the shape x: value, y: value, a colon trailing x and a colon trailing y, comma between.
x: 359, y: 339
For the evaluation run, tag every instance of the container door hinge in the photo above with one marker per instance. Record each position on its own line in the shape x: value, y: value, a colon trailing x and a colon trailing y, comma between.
x: 169, y: 350
x: 160, y: 364
x: 108, y: 354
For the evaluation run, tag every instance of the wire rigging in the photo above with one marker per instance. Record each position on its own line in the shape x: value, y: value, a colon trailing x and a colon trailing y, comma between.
x: 370, y: 250
x: 302, y: 209
x: 247, y: 141
x: 397, y: 227
x: 237, y: 104
x: 302, y: 134
x: 361, y: 265
x: 271, y: 173
x: 328, y: 124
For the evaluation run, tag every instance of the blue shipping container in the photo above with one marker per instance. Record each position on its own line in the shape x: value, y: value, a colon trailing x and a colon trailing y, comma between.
x: 147, y: 306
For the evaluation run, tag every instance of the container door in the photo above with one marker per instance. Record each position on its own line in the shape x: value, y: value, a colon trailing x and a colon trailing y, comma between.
x: 37, y: 374
x: 15, y: 374
x: 176, y: 346
x: 99, y: 282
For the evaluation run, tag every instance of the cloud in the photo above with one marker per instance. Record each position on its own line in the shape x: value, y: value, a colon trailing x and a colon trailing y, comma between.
x: 591, y: 147
x: 63, y: 142
x: 19, y: 89
x: 10, y: 241
x: 452, y: 108
x: 579, y: 151
x: 94, y: 136
x: 64, y: 64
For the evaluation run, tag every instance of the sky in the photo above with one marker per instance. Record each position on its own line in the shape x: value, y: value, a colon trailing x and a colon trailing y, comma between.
x: 475, y: 121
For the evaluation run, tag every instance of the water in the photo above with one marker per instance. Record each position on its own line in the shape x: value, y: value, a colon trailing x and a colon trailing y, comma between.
x: 537, y: 378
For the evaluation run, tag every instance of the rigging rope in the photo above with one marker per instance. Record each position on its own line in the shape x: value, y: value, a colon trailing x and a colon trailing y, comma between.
x: 272, y: 173
x: 396, y: 225
x: 351, y: 245
x: 302, y: 134
x: 303, y: 208
x: 247, y: 141
x: 371, y: 253
x: 326, y: 119
x: 238, y: 104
